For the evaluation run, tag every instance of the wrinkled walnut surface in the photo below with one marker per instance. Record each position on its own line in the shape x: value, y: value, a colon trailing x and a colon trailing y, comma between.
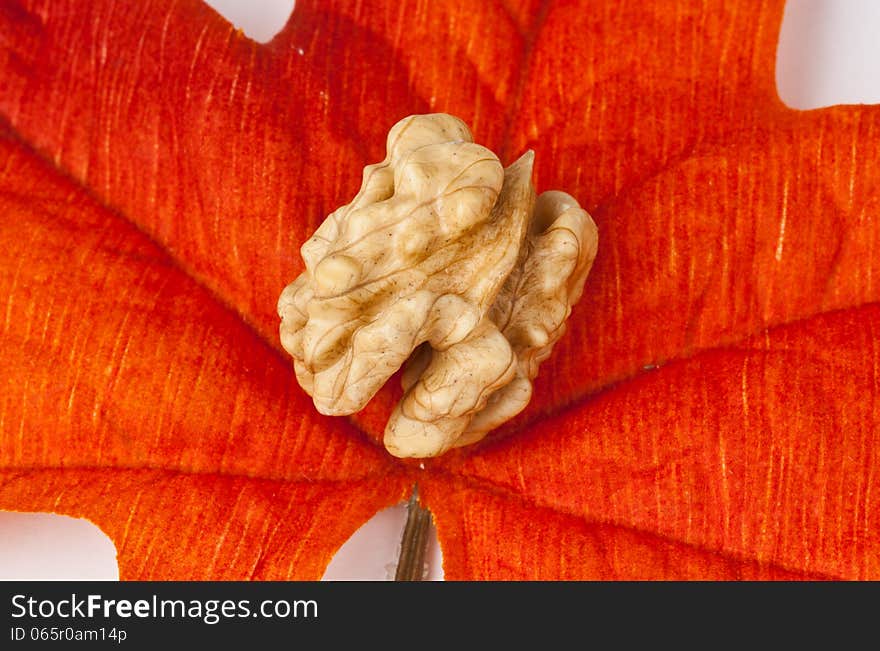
x: 445, y: 262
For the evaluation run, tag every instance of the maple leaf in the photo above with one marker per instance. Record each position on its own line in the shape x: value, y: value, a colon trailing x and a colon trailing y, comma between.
x: 712, y: 412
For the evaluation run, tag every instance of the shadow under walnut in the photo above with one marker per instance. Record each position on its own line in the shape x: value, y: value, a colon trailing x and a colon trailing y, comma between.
x: 444, y: 261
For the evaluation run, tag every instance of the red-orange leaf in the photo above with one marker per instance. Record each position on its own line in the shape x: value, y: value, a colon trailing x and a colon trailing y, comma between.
x: 712, y: 412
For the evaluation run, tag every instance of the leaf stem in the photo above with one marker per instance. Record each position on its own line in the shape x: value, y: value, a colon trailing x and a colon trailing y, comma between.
x: 414, y: 542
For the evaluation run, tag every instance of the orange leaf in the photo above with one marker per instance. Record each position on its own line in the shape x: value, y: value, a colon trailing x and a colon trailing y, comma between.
x: 712, y: 412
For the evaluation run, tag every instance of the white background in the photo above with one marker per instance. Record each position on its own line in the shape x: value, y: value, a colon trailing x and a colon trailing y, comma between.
x: 829, y: 53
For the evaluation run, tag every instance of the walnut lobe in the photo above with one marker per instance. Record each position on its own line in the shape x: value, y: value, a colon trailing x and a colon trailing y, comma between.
x: 444, y: 261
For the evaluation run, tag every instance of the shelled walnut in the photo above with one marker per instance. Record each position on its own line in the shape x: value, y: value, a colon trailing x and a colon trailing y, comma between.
x: 445, y: 262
